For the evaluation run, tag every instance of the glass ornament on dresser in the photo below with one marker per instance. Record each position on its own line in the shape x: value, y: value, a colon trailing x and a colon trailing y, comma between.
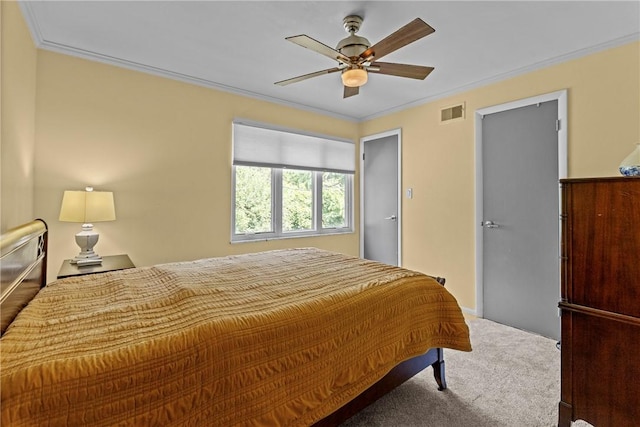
x: 630, y: 166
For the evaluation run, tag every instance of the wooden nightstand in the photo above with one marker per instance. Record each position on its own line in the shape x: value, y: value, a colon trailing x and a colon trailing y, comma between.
x: 109, y: 263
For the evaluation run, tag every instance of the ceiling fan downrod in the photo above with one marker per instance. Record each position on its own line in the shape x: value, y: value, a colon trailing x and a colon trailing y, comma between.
x: 352, y: 23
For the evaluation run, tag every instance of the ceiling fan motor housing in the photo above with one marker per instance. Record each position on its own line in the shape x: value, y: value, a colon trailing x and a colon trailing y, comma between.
x: 352, y: 46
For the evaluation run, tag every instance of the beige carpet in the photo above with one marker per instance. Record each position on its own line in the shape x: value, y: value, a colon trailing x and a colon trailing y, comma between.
x: 511, y: 378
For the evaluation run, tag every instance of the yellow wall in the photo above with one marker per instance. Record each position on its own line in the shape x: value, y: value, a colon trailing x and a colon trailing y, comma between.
x: 163, y: 147
x: 439, y: 163
x: 17, y: 121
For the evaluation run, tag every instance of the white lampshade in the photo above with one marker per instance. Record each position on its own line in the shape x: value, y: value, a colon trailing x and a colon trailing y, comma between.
x: 354, y: 77
x: 87, y: 207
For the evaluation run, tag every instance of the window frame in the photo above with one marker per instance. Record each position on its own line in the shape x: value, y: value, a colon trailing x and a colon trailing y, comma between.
x: 277, y: 209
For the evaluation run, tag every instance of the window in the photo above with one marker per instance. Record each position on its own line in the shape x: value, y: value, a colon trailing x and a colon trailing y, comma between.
x: 334, y: 200
x: 253, y: 200
x: 287, y: 184
x: 297, y: 200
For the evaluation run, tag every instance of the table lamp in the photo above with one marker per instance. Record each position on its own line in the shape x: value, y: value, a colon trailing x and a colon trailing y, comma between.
x: 87, y: 207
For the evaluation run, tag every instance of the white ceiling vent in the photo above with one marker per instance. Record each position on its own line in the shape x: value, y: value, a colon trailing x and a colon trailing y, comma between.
x: 452, y: 113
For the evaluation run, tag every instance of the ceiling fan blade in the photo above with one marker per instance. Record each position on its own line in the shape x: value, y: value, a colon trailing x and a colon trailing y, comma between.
x: 307, y: 76
x: 306, y: 41
x: 411, y: 32
x: 350, y: 91
x: 401, y: 70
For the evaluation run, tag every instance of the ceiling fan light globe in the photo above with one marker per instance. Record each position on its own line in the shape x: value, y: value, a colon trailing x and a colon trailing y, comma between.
x: 354, y: 77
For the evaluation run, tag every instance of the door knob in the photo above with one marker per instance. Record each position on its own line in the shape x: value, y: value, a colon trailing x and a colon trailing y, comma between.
x: 489, y: 224
x: 391, y: 218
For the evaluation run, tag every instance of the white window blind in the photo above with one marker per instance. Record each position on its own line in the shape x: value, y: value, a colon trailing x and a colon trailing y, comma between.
x: 255, y: 145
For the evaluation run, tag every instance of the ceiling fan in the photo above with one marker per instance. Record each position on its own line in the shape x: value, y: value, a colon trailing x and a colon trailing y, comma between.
x: 356, y: 57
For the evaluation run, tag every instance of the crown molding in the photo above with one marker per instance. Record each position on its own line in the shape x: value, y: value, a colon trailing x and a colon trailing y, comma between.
x: 41, y: 43
x: 185, y: 78
x: 160, y: 72
x: 31, y: 21
x: 510, y: 74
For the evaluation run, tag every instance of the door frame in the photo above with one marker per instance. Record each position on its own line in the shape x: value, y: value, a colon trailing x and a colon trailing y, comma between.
x: 398, y: 133
x: 561, y: 97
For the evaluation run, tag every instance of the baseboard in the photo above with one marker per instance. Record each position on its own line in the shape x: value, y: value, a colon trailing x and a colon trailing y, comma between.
x: 468, y: 312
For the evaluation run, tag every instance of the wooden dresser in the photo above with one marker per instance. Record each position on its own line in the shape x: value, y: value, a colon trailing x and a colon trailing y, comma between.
x: 600, y: 304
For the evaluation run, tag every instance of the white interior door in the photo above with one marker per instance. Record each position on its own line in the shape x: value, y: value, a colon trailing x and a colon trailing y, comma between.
x: 520, y: 217
x: 380, y: 202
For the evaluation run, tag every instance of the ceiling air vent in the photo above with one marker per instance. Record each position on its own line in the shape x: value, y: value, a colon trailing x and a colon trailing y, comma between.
x: 452, y: 113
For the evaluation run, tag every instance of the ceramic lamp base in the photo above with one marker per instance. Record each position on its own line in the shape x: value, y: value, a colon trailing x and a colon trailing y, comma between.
x: 87, y: 239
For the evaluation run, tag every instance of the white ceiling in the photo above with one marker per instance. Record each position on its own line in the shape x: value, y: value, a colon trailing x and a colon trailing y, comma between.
x: 240, y: 46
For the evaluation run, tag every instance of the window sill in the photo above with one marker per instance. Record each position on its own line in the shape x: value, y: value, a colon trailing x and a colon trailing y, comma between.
x: 296, y: 236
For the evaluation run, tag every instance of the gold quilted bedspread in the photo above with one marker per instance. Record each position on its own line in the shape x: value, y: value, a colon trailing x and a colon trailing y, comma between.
x: 274, y: 338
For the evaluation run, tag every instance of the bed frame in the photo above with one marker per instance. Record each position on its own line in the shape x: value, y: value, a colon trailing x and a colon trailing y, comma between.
x: 23, y: 266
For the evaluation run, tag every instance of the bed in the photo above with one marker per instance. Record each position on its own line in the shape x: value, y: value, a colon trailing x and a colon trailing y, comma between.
x: 292, y: 337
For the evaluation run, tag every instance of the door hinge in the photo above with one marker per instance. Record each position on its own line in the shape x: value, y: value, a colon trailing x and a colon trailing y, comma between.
x: 557, y: 125
x: 362, y: 156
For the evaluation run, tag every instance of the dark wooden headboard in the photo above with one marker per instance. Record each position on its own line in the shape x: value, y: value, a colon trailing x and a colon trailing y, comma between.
x: 23, y: 268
